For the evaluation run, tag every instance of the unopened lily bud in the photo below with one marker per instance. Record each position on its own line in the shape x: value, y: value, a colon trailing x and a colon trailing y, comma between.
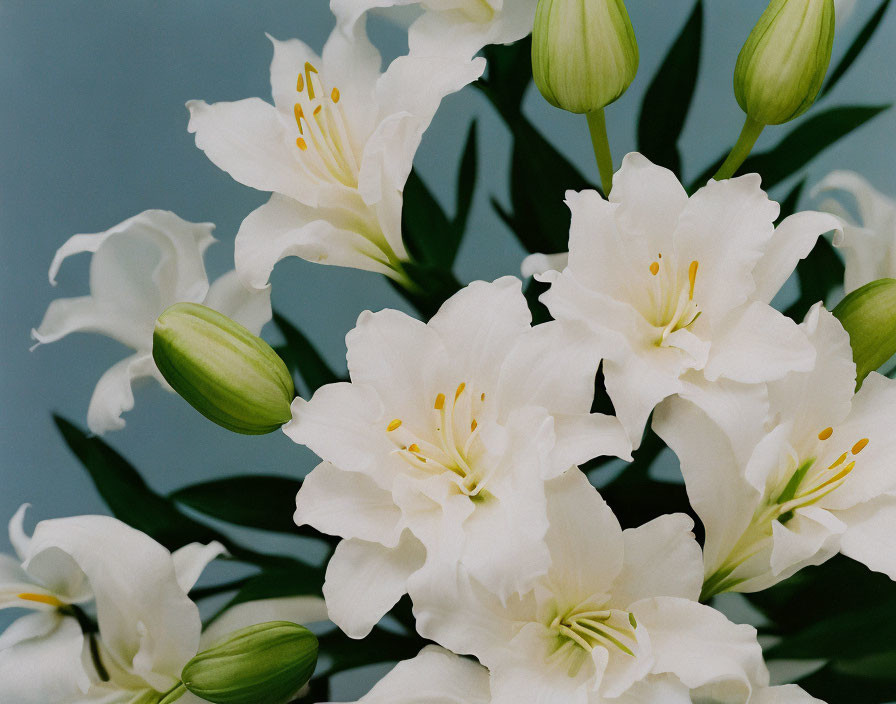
x: 229, y: 375
x: 584, y: 53
x: 869, y: 316
x: 782, y: 66
x: 268, y: 663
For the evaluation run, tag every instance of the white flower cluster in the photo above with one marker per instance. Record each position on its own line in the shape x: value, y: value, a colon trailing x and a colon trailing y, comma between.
x: 450, y: 460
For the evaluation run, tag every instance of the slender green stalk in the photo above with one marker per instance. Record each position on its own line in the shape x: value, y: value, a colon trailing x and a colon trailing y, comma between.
x: 597, y: 125
x: 173, y: 694
x: 748, y: 136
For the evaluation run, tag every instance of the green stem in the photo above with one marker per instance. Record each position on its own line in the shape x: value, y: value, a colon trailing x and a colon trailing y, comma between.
x: 748, y: 136
x: 597, y: 125
x: 173, y: 694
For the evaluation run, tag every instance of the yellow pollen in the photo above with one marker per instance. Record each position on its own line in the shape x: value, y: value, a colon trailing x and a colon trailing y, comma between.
x: 318, y: 109
x: 692, y: 278
x: 655, y: 268
x: 300, y: 83
x: 297, y: 111
x: 394, y: 425
x: 415, y: 448
x: 473, y: 425
x: 825, y: 434
x: 440, y: 402
x: 659, y: 256
x: 309, y: 69
x: 460, y: 390
x: 300, y: 143
x: 840, y: 460
x: 41, y: 599
x: 335, y: 95
x: 859, y: 446
x: 482, y: 398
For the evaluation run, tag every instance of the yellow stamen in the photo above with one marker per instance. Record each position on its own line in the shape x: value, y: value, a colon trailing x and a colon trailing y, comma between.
x: 460, y: 390
x: 335, y: 95
x: 300, y: 83
x: 300, y: 143
x: 394, y: 425
x: 309, y: 69
x: 473, y: 425
x: 41, y: 599
x: 840, y: 460
x: 825, y: 434
x: 692, y: 278
x: 440, y: 402
x: 297, y: 111
x: 482, y: 397
x: 415, y: 448
x: 859, y: 446
x: 318, y: 109
x: 655, y: 268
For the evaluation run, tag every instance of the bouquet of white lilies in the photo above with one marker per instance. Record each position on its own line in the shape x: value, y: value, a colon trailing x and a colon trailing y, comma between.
x: 484, y: 496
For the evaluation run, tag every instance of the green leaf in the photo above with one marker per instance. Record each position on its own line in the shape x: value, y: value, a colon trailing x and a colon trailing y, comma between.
x: 304, y: 358
x: 380, y: 646
x: 668, y: 97
x: 434, y: 285
x: 791, y: 201
x: 131, y: 500
x: 819, y: 274
x: 466, y: 186
x: 277, y: 582
x: 836, y: 687
x: 509, y: 75
x: 856, y: 47
x: 802, y: 144
x: 254, y: 501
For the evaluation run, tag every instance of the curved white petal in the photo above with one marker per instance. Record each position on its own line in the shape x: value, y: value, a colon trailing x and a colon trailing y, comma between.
x: 869, y: 532
x: 288, y: 62
x: 114, y: 393
x: 349, y: 505
x: 251, y: 308
x: 435, y: 676
x: 365, y: 580
x: 783, y: 694
x: 18, y: 538
x: 811, y: 537
x: 662, y: 558
x: 542, y: 263
x: 40, y: 660
x: 147, y: 622
x: 302, y: 610
x: 191, y: 560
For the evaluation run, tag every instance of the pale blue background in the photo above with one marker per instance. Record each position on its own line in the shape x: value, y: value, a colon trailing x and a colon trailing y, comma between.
x: 93, y: 130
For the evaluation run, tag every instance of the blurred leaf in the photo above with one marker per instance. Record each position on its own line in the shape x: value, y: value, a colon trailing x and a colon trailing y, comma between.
x: 668, y: 97
x: 131, y: 500
x: 856, y: 47
x: 274, y: 583
x: 802, y: 144
x: 254, y: 501
x: 304, y: 358
x: 819, y: 273
x: 538, y: 309
x: 318, y: 691
x: 791, y: 201
x: 380, y: 646
x: 509, y: 75
x: 435, y: 285
x: 836, y: 687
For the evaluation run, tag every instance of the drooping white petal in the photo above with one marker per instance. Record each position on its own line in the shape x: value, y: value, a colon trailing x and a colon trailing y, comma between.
x: 18, y: 538
x: 542, y: 263
x: 868, y: 537
x: 40, y: 660
x: 151, y: 627
x: 191, y: 560
x: 251, y: 308
x: 759, y: 344
x: 114, y: 394
x: 667, y: 689
x: 15, y: 581
x: 783, y: 694
x: 811, y: 537
x: 662, y: 558
x: 435, y: 676
x: 302, y: 610
x: 349, y: 505
x: 364, y: 580
x: 702, y: 648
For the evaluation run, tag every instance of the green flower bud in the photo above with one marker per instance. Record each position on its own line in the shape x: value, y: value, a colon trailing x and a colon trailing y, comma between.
x: 584, y: 53
x: 782, y: 66
x: 221, y: 369
x: 267, y: 663
x: 869, y: 316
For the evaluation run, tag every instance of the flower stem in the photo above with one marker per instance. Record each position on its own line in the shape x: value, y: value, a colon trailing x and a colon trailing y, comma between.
x: 597, y: 125
x: 173, y: 694
x: 748, y: 136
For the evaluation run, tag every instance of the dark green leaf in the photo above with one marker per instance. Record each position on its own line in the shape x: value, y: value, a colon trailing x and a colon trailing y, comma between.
x: 279, y: 582
x: 315, y: 372
x: 836, y: 687
x: 434, y: 286
x: 131, y: 500
x: 856, y: 47
x: 380, y: 646
x: 466, y: 186
x: 791, y: 201
x: 819, y: 273
x: 668, y: 97
x: 509, y: 75
x: 539, y: 311
x: 255, y: 501
x: 802, y: 144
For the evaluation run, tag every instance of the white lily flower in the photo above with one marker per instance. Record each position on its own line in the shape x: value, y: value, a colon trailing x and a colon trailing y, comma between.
x: 786, y: 476
x: 615, y: 619
x: 669, y: 284
x: 147, y: 626
x: 441, y: 444
x: 434, y: 676
x: 869, y: 245
x: 336, y: 149
x: 449, y: 27
x: 137, y: 269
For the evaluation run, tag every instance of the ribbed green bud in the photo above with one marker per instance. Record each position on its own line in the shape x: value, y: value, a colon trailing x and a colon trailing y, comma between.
x: 869, y: 316
x: 263, y: 664
x: 782, y: 66
x: 221, y: 369
x: 584, y: 53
